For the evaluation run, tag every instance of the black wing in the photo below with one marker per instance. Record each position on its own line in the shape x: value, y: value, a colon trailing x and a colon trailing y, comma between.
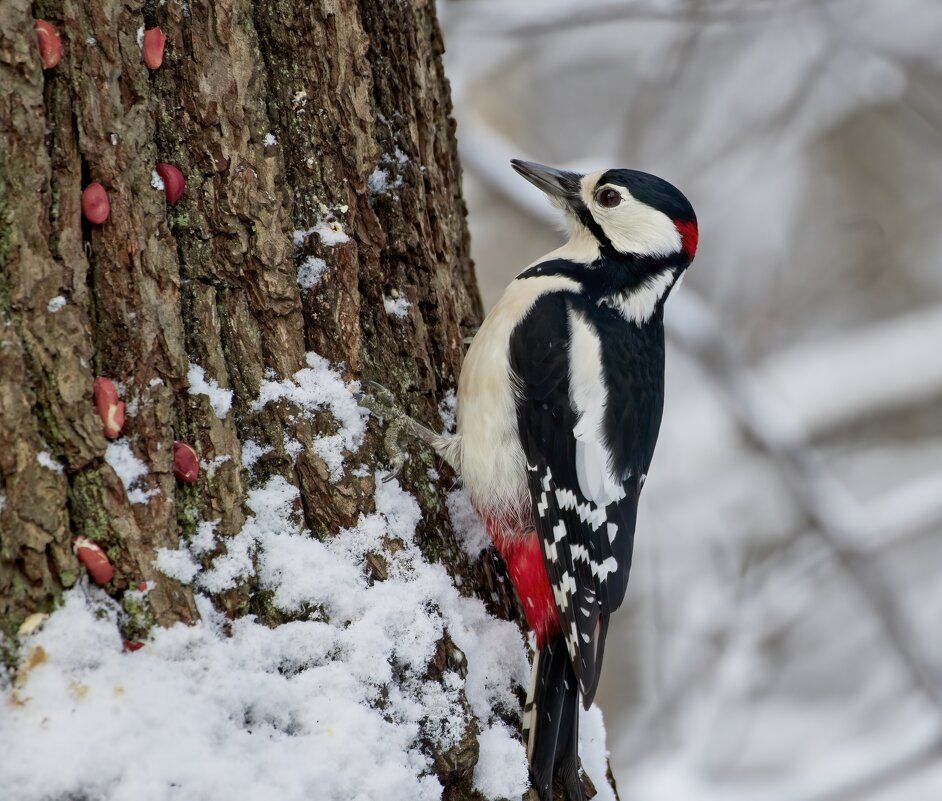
x: 587, y: 422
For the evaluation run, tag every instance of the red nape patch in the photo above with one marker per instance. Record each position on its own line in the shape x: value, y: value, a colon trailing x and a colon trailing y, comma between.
x: 689, y: 236
x: 520, y: 550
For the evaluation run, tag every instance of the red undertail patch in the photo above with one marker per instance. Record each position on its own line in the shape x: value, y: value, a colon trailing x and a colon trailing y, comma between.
x: 520, y: 550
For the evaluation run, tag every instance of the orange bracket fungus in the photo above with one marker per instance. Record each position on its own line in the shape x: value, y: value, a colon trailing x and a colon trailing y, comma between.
x: 50, y: 45
x: 96, y: 562
x: 110, y: 407
x: 95, y: 205
x: 186, y: 464
x: 174, y: 182
x: 154, y: 41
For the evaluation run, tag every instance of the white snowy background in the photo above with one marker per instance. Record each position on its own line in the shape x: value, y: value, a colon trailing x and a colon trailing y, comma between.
x: 781, y: 641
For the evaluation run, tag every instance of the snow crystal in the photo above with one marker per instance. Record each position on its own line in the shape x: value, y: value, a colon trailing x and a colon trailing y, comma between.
x: 469, y: 530
x: 156, y: 181
x: 55, y: 304
x: 46, y: 460
x: 219, y: 399
x: 501, y: 771
x: 447, y: 409
x: 313, y: 388
x: 129, y: 469
x: 269, y: 140
x: 397, y: 307
x: 178, y: 564
x: 310, y: 272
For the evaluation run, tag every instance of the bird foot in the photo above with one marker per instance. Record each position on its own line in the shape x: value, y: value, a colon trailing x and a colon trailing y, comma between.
x: 383, y: 405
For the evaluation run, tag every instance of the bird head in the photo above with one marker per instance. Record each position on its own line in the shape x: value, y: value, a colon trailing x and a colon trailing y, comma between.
x: 623, y: 212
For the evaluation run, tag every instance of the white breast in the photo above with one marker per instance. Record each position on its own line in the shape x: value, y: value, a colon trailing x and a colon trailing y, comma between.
x: 487, y: 443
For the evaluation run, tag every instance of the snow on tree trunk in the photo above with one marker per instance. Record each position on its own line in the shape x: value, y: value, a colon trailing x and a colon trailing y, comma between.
x: 320, y: 238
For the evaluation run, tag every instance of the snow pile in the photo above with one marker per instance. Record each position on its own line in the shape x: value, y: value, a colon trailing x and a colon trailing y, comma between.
x: 334, y: 705
x: 130, y: 469
x: 55, y: 304
x: 269, y: 139
x: 219, y: 399
x: 313, y: 388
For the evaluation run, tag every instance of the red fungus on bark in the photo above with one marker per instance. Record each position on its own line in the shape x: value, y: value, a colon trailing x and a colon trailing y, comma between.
x: 95, y: 205
x: 154, y: 41
x: 174, y: 182
x: 50, y: 45
x: 96, y: 562
x: 186, y: 464
x: 110, y: 407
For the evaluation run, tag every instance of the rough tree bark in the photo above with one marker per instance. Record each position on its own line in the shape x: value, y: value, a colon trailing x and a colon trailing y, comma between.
x: 344, y: 87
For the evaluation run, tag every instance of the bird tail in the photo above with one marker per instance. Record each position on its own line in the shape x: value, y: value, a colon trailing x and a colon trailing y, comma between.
x: 551, y: 722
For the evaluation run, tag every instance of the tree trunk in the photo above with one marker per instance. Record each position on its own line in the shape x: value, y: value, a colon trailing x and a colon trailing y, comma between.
x: 306, y: 131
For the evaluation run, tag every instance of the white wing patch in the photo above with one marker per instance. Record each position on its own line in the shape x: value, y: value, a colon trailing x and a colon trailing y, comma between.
x: 588, y: 395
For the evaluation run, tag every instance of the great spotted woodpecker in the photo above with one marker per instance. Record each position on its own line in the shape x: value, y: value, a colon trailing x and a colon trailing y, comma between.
x: 559, y: 405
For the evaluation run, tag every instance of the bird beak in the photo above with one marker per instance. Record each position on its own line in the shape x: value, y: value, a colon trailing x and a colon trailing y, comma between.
x: 560, y: 185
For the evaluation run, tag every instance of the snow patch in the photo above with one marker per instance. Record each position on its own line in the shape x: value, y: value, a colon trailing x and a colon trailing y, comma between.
x: 219, y: 399
x: 314, y: 388
x: 310, y: 272
x: 397, y: 307
x: 593, y: 753
x: 501, y: 771
x: 46, y: 460
x: 469, y: 529
x: 55, y: 304
x: 269, y: 140
x: 447, y: 411
x: 129, y: 469
x: 156, y: 181
x: 205, y: 538
x: 178, y: 564
x: 330, y: 233
x: 252, y: 452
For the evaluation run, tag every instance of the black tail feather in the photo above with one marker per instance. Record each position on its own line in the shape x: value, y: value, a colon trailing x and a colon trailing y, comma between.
x: 551, y: 722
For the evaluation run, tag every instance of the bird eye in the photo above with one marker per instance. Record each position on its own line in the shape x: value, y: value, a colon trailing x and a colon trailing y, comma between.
x: 609, y: 198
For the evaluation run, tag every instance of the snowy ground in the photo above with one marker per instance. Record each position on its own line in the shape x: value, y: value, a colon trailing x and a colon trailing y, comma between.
x: 747, y: 662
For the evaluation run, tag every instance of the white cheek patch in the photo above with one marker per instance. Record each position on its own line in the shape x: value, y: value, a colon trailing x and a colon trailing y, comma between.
x: 633, y: 226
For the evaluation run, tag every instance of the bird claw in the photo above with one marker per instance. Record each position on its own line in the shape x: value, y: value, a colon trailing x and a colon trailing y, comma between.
x: 383, y: 405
